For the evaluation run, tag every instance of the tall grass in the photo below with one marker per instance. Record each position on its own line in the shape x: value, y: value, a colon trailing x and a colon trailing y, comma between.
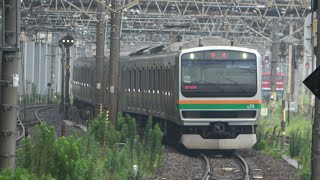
x: 298, y: 132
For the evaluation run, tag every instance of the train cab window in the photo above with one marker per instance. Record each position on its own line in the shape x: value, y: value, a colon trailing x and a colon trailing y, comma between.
x: 265, y: 77
x: 279, y: 78
x: 227, y: 74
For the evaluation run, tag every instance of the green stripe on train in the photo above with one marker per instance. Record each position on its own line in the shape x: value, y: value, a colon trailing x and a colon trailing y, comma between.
x: 219, y: 106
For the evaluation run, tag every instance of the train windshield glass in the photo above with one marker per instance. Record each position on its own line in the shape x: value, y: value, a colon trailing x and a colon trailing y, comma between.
x: 218, y: 77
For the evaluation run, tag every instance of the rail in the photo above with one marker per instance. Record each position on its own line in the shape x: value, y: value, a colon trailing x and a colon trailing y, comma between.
x: 244, y: 166
x: 206, y: 174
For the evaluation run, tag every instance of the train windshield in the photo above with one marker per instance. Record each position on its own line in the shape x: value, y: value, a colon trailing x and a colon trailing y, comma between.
x: 218, y: 77
x: 267, y: 77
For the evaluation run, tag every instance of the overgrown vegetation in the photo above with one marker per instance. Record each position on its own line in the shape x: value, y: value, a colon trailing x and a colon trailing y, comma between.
x: 298, y: 131
x: 103, y: 153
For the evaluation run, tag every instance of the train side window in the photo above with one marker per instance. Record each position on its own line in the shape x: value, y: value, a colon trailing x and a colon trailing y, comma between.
x: 142, y: 79
x: 129, y: 80
x: 170, y: 76
x: 158, y: 80
x: 153, y: 80
x: 139, y: 80
x: 74, y: 73
x: 145, y: 80
x: 123, y: 78
x: 167, y: 80
x: 80, y: 75
x: 150, y: 81
x: 134, y: 80
x: 163, y: 76
x: 92, y: 78
x: 85, y: 76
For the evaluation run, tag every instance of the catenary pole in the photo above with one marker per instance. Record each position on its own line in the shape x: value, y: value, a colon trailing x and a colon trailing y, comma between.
x: 315, y: 156
x: 67, y: 97
x: 100, y: 58
x: 275, y: 53
x: 62, y: 77
x: 114, y: 61
x: 53, y: 64
x: 9, y: 83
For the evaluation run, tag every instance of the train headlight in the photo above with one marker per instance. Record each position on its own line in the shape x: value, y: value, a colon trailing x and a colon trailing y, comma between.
x: 244, y: 55
x: 191, y: 56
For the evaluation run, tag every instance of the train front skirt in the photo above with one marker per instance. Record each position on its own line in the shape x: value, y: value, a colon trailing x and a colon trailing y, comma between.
x: 242, y: 141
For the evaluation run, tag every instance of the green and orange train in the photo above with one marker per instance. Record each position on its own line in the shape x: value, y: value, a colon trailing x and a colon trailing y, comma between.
x: 206, y: 97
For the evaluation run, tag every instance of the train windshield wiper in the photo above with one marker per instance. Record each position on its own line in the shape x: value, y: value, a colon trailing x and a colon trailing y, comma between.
x: 236, y: 83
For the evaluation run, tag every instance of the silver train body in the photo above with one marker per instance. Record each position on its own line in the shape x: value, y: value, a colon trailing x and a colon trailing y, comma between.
x: 204, y: 97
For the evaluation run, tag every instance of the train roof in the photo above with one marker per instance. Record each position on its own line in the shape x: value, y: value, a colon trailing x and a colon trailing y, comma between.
x: 178, y: 46
x: 220, y: 47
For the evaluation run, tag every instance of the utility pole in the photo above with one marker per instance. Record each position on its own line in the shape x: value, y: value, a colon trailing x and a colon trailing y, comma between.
x: 61, y: 109
x: 9, y: 82
x: 275, y: 53
x: 53, y: 63
x: 289, y: 72
x: 315, y: 156
x: 100, y: 58
x: 114, y: 61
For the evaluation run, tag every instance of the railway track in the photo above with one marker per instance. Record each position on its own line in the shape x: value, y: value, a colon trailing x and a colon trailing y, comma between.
x: 49, y: 113
x: 229, y: 167
x: 182, y: 165
x: 25, y: 119
x: 30, y: 118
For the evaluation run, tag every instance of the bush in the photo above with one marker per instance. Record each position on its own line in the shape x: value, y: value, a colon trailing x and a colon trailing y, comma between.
x: 17, y: 174
x: 96, y: 155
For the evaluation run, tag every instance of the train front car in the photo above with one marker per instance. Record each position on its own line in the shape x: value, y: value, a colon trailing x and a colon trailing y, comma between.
x: 219, y: 97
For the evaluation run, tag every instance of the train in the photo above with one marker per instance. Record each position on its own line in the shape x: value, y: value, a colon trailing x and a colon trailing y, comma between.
x: 266, y: 85
x: 204, y: 96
